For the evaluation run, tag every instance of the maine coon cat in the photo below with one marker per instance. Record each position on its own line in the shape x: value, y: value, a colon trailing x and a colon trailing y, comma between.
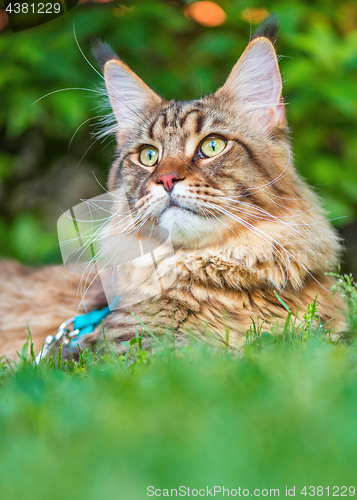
x: 217, y: 173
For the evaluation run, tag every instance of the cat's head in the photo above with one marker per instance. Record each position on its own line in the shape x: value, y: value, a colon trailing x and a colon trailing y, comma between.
x: 208, y: 168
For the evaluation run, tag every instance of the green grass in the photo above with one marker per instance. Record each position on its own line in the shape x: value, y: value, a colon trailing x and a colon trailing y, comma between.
x: 107, y: 427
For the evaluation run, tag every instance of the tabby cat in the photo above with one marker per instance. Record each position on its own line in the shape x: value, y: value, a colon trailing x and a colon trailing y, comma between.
x: 217, y: 173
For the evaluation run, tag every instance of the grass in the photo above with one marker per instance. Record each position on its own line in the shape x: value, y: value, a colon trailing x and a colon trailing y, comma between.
x: 108, y: 427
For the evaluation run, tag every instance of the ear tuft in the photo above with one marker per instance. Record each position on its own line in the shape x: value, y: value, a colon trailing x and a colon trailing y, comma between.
x: 102, y: 52
x: 268, y: 29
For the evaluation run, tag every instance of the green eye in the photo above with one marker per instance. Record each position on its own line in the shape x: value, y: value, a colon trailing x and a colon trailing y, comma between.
x: 211, y: 146
x: 149, y: 156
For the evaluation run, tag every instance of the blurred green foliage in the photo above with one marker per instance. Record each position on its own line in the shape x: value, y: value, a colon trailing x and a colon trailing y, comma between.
x: 41, y: 176
x: 196, y: 417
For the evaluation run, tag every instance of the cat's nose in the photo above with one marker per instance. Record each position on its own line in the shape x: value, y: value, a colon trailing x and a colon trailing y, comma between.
x: 168, y: 180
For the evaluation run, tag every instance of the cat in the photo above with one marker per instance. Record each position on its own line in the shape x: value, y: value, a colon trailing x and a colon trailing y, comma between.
x: 217, y: 174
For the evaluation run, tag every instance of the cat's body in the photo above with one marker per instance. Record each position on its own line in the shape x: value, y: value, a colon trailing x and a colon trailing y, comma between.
x: 229, y: 276
x: 217, y: 173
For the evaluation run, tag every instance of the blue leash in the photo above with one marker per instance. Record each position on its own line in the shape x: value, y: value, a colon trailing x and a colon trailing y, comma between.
x: 87, y: 323
x: 83, y: 325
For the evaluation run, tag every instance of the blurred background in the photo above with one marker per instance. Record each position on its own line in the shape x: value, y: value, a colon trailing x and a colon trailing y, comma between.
x: 49, y: 159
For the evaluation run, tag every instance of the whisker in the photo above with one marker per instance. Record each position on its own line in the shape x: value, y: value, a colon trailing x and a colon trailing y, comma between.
x: 81, y: 125
x: 255, y: 230
x: 270, y: 183
x: 63, y: 90
x: 273, y: 240
x: 101, y: 76
x: 265, y: 212
x: 99, y: 255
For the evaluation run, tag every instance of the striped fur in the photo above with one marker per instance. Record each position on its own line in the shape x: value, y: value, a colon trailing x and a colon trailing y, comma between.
x: 243, y: 223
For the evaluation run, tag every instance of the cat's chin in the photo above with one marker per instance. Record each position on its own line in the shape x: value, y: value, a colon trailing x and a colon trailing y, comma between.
x: 186, y: 228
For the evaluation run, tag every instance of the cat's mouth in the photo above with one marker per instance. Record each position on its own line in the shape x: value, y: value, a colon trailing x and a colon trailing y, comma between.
x: 174, y: 205
x: 186, y: 224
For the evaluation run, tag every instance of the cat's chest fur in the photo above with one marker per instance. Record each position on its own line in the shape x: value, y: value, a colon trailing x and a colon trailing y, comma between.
x: 221, y: 289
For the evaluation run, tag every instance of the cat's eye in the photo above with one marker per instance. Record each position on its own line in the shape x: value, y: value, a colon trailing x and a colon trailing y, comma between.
x: 212, y: 146
x: 149, y: 156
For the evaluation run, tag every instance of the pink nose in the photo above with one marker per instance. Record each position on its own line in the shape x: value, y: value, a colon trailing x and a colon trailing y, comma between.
x: 168, y: 180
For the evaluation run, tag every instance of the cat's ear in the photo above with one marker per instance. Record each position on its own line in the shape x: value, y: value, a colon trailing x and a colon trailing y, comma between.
x: 255, y: 85
x: 129, y: 97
